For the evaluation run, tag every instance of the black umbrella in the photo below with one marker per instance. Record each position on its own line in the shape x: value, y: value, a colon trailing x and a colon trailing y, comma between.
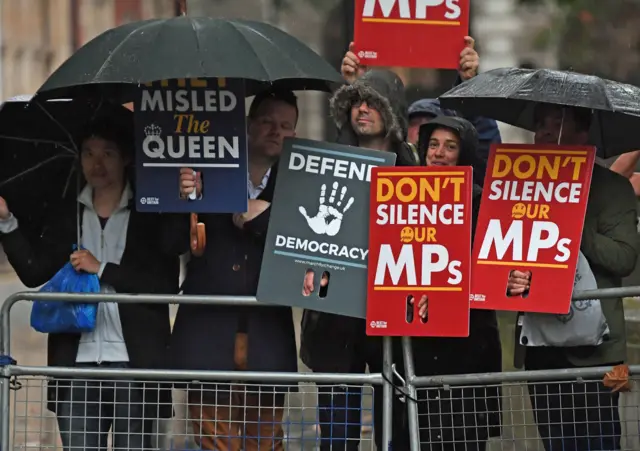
x: 510, y: 95
x: 120, y: 59
x: 38, y: 154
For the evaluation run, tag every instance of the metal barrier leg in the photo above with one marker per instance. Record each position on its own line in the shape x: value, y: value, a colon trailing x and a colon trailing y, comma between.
x: 409, y: 375
x: 387, y: 394
x: 5, y: 402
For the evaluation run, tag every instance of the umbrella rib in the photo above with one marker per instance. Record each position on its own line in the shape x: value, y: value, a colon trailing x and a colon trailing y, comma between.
x: 266, y: 38
x: 39, y: 141
x: 197, y: 35
x: 237, y: 30
x: 58, y: 124
x: 33, y: 168
x: 107, y: 60
x: 294, y: 61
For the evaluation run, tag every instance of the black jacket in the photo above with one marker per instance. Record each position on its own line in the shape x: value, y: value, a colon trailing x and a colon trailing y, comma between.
x: 143, y: 269
x: 204, y: 335
x: 481, y: 352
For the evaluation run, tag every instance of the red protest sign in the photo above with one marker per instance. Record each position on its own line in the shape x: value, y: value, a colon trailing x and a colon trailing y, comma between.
x: 411, y: 33
x: 531, y: 218
x: 419, y: 244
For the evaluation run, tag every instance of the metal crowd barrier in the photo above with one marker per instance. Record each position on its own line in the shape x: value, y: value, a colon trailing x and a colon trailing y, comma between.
x: 23, y: 399
x: 426, y: 399
x: 433, y: 426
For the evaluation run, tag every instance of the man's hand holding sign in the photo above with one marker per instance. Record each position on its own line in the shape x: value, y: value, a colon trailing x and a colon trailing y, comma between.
x: 419, y: 243
x: 529, y: 227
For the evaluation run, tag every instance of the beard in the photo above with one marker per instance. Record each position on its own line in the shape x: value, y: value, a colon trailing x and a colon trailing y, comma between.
x: 368, y: 130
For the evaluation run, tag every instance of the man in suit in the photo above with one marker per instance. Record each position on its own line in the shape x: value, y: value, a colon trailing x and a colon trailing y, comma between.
x: 227, y: 338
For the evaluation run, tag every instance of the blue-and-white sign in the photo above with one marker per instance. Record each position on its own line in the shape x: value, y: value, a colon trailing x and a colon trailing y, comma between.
x: 197, y: 124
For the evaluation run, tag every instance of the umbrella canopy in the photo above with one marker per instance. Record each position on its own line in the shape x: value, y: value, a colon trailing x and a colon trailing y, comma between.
x: 510, y: 95
x: 118, y: 60
x: 38, y: 152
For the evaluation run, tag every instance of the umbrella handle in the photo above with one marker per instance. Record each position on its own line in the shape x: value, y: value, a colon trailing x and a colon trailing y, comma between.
x: 197, y: 235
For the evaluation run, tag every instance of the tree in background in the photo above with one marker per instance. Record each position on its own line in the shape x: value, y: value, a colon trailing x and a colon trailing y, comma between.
x: 595, y: 36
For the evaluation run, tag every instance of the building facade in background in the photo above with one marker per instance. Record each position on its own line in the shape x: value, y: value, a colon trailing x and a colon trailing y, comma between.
x: 36, y: 36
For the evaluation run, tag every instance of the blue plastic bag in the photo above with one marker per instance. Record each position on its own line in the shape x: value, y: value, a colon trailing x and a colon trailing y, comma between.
x: 66, y: 317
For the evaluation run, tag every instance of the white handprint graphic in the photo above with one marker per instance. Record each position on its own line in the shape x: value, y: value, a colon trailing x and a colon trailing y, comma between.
x: 329, y: 217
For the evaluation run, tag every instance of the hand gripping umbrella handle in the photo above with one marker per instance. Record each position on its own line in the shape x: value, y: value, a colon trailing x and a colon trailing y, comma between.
x: 197, y: 236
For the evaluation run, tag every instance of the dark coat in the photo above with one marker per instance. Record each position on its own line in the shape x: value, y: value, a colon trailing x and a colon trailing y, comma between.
x: 454, y: 415
x: 481, y: 352
x: 329, y: 341
x: 143, y: 269
x: 204, y: 335
x: 611, y: 244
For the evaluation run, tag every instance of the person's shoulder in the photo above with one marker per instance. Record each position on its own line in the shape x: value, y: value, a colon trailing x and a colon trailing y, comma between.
x: 405, y: 155
x: 606, y: 178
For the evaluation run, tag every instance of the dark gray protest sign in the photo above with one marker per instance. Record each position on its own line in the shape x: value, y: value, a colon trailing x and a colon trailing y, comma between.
x: 318, y: 240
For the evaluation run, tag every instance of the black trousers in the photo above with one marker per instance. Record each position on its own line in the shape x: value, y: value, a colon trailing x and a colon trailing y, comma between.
x: 340, y: 408
x: 340, y: 412
x: 572, y: 416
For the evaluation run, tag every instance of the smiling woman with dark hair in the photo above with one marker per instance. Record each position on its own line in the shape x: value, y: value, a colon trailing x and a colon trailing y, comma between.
x: 470, y: 415
x: 121, y: 247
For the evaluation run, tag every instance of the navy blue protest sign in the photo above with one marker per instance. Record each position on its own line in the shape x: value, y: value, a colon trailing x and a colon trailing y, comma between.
x: 196, y: 124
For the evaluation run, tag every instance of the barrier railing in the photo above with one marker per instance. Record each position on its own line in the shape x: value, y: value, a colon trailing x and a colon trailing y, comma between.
x: 564, y: 400
x: 216, y: 383
x: 437, y: 407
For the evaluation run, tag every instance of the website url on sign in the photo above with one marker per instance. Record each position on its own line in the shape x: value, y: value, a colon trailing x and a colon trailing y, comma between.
x: 321, y: 265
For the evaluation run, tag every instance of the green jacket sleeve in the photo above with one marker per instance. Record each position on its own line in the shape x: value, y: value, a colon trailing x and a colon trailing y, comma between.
x: 614, y: 244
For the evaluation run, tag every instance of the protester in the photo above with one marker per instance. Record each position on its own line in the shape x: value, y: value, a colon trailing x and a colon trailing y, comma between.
x: 459, y: 419
x: 424, y: 110
x: 421, y: 112
x: 208, y: 337
x: 371, y: 112
x: 121, y: 247
x: 585, y: 415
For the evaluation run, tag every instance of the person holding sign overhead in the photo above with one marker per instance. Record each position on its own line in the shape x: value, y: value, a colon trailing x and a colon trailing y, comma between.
x: 584, y: 415
x: 369, y: 113
x: 207, y: 337
x: 424, y: 110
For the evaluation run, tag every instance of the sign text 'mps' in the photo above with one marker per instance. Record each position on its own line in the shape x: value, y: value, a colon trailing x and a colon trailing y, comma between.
x: 418, y: 13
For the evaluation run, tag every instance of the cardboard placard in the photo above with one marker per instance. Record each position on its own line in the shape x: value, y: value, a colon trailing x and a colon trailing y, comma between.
x: 531, y: 218
x: 199, y: 124
x: 420, y: 245
x: 411, y: 33
x: 317, y: 244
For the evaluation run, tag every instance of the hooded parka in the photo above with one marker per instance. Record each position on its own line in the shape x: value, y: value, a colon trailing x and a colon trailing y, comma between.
x: 471, y: 414
x: 328, y: 341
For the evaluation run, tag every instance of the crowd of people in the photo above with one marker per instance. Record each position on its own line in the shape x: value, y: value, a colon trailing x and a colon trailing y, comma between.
x: 139, y: 253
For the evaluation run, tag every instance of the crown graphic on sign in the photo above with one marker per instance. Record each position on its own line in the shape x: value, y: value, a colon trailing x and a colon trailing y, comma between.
x: 152, y: 130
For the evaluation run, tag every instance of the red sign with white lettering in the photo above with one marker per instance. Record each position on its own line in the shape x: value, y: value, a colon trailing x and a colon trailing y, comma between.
x: 411, y: 33
x: 419, y: 246
x: 531, y: 218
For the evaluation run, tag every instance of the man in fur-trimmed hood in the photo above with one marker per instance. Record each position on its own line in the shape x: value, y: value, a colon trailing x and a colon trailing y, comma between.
x: 372, y: 112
